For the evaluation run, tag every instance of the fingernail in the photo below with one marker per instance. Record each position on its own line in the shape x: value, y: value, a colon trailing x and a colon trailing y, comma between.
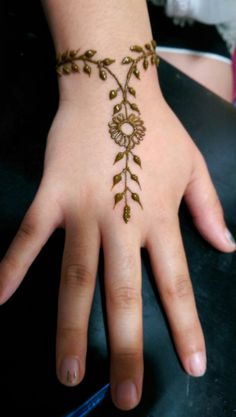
x: 126, y: 394
x: 197, y: 364
x: 69, y: 370
x: 229, y: 237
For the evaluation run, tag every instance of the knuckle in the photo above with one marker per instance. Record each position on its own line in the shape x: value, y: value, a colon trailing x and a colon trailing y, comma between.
x: 27, y: 229
x: 181, y: 287
x: 71, y: 332
x: 9, y: 264
x: 124, y: 297
x: 77, y: 275
x: 128, y: 354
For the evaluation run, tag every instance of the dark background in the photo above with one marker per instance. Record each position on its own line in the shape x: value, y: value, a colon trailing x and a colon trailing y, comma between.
x: 28, y: 383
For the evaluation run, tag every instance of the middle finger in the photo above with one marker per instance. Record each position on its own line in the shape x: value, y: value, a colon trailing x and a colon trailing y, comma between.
x: 124, y: 311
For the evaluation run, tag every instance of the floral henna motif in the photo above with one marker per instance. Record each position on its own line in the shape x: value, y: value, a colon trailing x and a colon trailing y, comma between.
x: 126, y: 127
x: 127, y: 131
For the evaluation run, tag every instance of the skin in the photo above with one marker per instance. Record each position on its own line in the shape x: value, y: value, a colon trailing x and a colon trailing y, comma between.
x: 75, y: 194
x: 215, y: 75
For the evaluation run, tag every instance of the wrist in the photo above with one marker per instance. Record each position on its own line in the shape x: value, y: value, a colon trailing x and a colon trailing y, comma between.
x: 89, y: 77
x: 105, y: 27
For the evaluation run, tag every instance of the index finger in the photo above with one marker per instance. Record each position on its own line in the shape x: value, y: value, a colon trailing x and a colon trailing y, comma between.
x: 38, y: 224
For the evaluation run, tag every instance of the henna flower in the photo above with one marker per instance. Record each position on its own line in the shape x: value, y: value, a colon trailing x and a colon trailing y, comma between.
x: 127, y: 131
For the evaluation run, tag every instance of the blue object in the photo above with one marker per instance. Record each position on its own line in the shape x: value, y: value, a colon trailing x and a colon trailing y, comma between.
x: 89, y: 405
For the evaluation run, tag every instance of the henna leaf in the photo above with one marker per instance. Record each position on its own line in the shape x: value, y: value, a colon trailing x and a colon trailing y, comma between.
x: 66, y: 70
x: 127, y: 60
x: 136, y: 72
x: 90, y: 53
x: 87, y: 69
x: 73, y: 53
x: 119, y: 156
x: 135, y: 178
x: 74, y: 67
x: 136, y: 198
x: 117, y: 108
x: 102, y: 74
x: 112, y: 94
x: 154, y: 44
x: 132, y: 91
x: 134, y: 107
x: 155, y: 60
x: 148, y: 46
x: 136, y: 48
x: 145, y: 63
x: 117, y: 178
x: 118, y: 197
x: 137, y: 160
x: 108, y: 61
x: 126, y: 213
x: 65, y: 55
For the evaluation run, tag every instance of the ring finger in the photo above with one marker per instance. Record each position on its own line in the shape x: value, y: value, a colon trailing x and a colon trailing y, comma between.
x: 170, y: 269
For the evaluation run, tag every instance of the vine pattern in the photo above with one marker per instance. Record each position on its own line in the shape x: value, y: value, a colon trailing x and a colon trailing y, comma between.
x: 126, y: 127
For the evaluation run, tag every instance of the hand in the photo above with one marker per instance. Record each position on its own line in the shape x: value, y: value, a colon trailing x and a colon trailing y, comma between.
x: 75, y: 193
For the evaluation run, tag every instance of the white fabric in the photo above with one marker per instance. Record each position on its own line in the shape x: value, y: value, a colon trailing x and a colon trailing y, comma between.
x: 206, y: 11
x: 221, y: 13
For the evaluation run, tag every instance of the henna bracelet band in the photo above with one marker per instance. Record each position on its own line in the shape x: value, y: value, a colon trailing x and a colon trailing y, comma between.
x: 126, y: 128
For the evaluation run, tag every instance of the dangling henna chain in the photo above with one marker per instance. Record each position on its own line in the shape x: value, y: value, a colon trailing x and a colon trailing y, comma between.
x: 126, y: 128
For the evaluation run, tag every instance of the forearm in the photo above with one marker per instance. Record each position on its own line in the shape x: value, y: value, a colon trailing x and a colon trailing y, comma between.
x: 107, y: 25
x: 110, y: 27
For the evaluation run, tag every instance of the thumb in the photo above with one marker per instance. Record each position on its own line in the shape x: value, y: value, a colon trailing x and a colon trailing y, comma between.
x: 205, y: 207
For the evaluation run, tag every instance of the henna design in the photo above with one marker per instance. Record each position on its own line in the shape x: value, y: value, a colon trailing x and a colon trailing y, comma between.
x: 126, y: 128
